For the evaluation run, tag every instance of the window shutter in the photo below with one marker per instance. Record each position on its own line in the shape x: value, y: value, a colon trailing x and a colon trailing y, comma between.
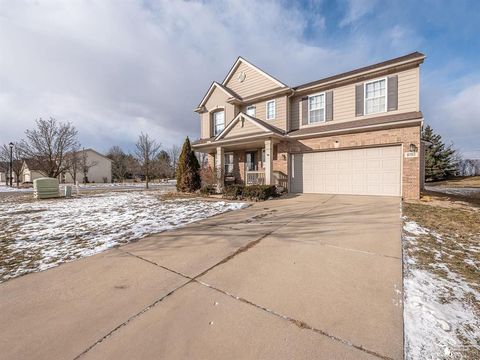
x: 212, y: 131
x: 392, y: 84
x: 305, y: 110
x: 329, y: 106
x: 359, y: 99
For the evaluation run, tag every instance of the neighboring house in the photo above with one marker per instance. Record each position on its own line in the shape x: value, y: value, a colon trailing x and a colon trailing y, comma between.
x: 31, y: 170
x: 99, y: 167
x: 353, y: 133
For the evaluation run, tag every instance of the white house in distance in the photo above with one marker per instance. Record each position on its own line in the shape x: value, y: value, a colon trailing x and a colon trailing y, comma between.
x: 99, y: 169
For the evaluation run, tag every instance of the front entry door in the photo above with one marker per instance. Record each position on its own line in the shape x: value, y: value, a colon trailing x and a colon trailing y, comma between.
x: 251, y: 161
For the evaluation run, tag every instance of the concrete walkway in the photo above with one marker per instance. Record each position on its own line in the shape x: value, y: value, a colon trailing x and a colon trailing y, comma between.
x: 308, y: 277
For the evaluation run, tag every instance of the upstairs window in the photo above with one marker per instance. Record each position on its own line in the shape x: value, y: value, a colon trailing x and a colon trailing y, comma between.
x: 218, y: 122
x: 375, y: 96
x: 316, y: 108
x: 270, y: 109
x: 251, y: 110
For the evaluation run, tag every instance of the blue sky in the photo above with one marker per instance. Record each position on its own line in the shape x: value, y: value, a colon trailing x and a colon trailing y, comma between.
x: 115, y: 68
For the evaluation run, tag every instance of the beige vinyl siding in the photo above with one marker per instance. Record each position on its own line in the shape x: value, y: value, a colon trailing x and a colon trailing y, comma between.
x: 254, y: 83
x: 280, y: 120
x: 217, y: 100
x: 243, y: 128
x: 344, y: 100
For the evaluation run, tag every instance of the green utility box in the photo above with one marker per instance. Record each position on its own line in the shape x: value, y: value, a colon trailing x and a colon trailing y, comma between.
x: 46, y: 188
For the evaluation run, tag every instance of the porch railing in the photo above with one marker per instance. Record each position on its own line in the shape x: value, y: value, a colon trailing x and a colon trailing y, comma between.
x: 255, y: 177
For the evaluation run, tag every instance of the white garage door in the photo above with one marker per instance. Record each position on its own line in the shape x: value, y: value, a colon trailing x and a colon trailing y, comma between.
x: 370, y: 171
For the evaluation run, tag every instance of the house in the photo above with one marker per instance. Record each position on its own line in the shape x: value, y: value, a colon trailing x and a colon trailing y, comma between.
x: 31, y: 170
x: 96, y: 167
x: 353, y: 133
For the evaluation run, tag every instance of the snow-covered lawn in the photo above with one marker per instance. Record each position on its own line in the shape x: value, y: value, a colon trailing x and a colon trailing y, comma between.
x: 441, y: 283
x: 36, y: 235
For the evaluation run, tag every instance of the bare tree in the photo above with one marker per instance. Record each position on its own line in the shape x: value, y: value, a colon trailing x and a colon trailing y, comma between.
x: 146, y: 151
x: 86, y: 165
x: 120, y: 163
x: 49, y: 144
x: 17, y: 157
x: 73, y: 164
x: 163, y: 165
x: 174, y: 153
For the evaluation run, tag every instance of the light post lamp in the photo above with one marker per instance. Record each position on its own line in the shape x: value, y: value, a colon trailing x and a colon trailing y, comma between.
x: 11, y: 164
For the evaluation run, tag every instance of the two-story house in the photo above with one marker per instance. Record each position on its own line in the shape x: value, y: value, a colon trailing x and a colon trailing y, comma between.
x: 353, y: 133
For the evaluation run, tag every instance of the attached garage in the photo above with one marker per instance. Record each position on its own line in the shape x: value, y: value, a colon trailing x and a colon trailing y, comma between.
x: 367, y: 171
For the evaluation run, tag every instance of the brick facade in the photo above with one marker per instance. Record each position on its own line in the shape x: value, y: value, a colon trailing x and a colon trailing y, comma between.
x: 411, y: 172
x: 403, y: 136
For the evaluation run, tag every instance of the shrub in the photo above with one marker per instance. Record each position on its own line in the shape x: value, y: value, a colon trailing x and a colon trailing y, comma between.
x: 208, y: 190
x: 251, y: 192
x: 188, y: 169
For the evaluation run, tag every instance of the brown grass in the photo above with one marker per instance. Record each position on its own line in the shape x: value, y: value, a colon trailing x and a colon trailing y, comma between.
x: 459, y: 182
x: 459, y: 230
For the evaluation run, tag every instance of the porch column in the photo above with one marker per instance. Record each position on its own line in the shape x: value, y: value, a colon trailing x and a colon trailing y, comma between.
x: 269, y: 162
x: 219, y: 159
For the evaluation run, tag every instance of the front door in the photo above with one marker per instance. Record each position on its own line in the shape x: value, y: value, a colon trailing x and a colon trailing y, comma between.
x: 251, y: 161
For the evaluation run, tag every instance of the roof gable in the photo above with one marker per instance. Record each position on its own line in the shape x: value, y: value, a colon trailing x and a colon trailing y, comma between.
x: 246, y: 79
x: 212, y: 88
x: 253, y: 124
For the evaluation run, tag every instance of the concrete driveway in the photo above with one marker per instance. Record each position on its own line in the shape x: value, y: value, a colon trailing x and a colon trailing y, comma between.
x: 311, y: 276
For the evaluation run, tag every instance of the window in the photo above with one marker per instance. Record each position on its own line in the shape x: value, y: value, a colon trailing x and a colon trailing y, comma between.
x: 218, y: 122
x: 228, y: 165
x: 375, y: 96
x: 251, y: 110
x: 270, y: 109
x: 316, y: 108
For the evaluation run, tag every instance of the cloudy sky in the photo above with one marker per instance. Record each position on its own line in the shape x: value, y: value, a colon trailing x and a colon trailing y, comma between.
x: 116, y: 68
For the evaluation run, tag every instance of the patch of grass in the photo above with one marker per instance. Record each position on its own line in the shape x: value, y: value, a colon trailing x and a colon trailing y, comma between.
x: 456, y: 239
x: 459, y: 181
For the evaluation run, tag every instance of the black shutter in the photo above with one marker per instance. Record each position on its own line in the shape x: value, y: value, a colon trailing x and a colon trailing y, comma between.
x: 304, y: 105
x: 359, y: 99
x: 392, y: 84
x: 329, y: 106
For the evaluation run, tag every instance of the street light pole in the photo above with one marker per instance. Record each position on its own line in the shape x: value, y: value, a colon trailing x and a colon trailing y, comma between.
x: 11, y: 164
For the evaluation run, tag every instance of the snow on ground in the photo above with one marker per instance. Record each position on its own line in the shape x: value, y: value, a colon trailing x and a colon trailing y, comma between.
x: 9, y: 189
x: 170, y: 185
x: 37, y: 235
x: 439, y: 310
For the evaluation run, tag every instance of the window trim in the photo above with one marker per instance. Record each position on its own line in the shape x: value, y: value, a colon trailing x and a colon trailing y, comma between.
x: 215, y: 133
x: 365, y: 96
x: 324, y: 108
x: 274, y: 109
x: 254, y: 110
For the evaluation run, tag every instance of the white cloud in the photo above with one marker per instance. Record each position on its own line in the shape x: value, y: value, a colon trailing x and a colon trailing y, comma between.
x: 116, y: 68
x: 356, y: 9
x: 456, y: 116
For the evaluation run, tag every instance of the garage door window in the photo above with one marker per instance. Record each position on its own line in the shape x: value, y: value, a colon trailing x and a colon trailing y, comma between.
x: 316, y: 108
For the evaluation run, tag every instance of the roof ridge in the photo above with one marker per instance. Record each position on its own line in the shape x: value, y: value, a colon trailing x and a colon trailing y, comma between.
x: 392, y: 61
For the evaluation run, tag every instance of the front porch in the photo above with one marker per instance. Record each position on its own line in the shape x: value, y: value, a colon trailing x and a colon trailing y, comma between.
x: 251, y: 163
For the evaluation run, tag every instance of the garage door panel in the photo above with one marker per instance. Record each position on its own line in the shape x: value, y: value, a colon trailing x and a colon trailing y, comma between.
x: 369, y: 171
